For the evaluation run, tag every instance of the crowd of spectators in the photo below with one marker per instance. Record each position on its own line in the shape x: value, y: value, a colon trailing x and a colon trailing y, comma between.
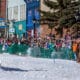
x: 48, y: 42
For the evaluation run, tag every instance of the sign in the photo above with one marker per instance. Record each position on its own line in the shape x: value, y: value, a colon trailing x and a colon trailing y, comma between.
x: 2, y: 23
x: 20, y: 27
x: 11, y: 30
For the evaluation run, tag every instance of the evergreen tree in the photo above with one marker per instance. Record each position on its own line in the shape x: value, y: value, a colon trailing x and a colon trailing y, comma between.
x: 64, y: 12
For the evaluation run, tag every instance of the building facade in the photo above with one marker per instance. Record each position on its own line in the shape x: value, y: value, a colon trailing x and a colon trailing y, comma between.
x: 21, y: 14
x: 17, y: 17
x: 2, y: 8
x: 47, y: 30
x: 2, y: 18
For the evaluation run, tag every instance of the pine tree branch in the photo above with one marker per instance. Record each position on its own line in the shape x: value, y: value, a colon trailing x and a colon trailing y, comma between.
x: 51, y: 4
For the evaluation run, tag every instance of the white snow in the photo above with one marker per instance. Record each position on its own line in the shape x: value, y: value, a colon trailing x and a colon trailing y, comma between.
x: 27, y: 68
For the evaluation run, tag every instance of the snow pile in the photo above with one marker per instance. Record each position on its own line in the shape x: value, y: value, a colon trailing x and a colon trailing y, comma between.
x: 28, y: 68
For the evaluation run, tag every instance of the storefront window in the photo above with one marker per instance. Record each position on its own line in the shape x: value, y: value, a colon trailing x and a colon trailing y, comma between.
x: 15, y: 13
x: 10, y: 13
x: 23, y: 12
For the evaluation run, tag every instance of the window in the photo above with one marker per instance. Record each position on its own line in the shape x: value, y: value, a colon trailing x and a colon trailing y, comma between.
x: 9, y: 13
x: 15, y: 13
x: 23, y: 12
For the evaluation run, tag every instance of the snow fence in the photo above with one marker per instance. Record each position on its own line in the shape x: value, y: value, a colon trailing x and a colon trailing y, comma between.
x: 23, y: 49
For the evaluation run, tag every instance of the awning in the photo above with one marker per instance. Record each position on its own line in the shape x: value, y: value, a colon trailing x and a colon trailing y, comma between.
x: 3, y: 26
x: 2, y: 19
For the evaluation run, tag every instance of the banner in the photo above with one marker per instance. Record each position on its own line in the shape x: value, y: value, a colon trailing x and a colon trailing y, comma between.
x: 37, y: 17
x: 31, y: 4
x: 30, y: 21
x: 37, y: 14
x: 31, y: 13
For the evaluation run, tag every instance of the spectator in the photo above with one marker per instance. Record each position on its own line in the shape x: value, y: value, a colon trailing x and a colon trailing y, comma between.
x: 74, y: 48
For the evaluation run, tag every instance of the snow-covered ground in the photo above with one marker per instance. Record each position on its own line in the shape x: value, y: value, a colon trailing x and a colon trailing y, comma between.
x: 28, y: 68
